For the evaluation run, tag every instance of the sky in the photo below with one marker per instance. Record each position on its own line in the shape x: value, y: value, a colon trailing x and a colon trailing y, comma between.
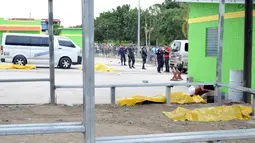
x: 68, y: 11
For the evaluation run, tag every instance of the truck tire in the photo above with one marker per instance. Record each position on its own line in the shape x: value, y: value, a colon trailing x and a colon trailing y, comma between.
x: 65, y: 63
x: 19, y: 60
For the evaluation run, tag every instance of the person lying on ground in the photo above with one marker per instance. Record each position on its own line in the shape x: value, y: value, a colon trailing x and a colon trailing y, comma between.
x: 200, y: 90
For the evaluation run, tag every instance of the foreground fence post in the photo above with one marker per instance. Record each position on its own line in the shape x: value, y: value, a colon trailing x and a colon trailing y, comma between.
x: 51, y: 52
x: 168, y: 95
x: 113, y: 100
x: 88, y: 70
x: 220, y: 46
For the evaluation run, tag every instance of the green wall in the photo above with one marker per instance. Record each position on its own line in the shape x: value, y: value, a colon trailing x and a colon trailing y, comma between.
x: 203, y: 68
x: 74, y: 34
x: 19, y: 23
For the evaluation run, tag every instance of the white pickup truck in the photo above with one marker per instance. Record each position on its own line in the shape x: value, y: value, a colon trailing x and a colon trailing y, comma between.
x: 179, y: 54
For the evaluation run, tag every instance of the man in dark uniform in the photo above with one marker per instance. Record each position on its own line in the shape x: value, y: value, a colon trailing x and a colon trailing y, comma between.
x: 131, y: 55
x: 144, y: 56
x: 160, y: 59
x: 122, y: 53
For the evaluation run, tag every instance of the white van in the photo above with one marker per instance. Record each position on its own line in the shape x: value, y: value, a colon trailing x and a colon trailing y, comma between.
x: 179, y: 54
x: 25, y: 49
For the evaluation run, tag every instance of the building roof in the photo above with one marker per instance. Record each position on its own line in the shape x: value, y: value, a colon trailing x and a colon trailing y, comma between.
x: 25, y: 19
x: 54, y: 20
x: 214, y: 1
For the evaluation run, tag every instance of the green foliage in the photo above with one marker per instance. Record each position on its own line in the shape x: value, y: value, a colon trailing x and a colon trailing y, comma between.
x: 163, y: 22
x: 56, y: 27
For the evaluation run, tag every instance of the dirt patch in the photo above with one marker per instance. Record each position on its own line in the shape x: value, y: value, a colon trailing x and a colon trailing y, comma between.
x: 110, y: 121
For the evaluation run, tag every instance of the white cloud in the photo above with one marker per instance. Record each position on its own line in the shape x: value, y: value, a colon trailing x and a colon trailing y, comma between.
x: 68, y: 11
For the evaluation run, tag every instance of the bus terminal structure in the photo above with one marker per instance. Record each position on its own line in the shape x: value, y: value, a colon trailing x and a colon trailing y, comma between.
x: 87, y: 126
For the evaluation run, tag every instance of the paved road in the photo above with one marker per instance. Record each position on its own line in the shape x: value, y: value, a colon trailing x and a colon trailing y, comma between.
x: 38, y: 92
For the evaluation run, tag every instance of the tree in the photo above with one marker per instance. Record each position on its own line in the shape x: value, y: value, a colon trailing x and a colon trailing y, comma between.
x: 162, y: 23
x: 56, y: 27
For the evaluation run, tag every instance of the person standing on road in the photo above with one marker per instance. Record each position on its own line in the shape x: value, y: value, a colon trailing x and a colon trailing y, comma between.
x: 144, y: 56
x: 160, y: 59
x: 166, y: 57
x: 131, y: 55
x: 122, y: 53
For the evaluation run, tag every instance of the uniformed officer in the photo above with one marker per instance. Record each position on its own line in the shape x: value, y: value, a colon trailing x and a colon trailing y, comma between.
x: 122, y: 53
x: 160, y: 59
x: 144, y: 56
x: 131, y: 55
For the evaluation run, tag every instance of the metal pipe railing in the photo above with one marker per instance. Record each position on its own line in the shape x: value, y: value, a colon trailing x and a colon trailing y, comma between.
x: 244, y: 89
x: 29, y: 129
x: 183, y: 137
x: 138, y: 85
x: 114, y: 86
x: 40, y: 125
x: 25, y: 80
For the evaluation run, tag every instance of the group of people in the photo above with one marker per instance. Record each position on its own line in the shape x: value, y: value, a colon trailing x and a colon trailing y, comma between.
x: 163, y: 58
x: 162, y: 54
x: 130, y: 51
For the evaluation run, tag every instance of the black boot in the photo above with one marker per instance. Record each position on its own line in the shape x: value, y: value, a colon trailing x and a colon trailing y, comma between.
x: 144, y: 67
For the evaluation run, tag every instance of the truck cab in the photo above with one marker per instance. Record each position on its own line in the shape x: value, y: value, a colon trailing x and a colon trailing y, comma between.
x: 179, y: 54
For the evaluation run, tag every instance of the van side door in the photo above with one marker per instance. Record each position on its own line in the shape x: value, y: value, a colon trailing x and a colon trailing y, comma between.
x: 185, y: 50
x: 39, y: 50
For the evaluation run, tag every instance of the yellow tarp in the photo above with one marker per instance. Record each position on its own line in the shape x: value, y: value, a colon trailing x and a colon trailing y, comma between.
x: 100, y: 67
x: 139, y: 99
x: 211, y: 114
x: 182, y: 98
x: 14, y: 66
x: 177, y: 98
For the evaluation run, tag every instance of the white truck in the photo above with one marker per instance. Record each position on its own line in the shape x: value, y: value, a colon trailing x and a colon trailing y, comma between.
x: 179, y: 54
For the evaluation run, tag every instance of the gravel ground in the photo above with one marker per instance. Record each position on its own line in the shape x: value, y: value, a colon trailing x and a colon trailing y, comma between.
x: 110, y: 121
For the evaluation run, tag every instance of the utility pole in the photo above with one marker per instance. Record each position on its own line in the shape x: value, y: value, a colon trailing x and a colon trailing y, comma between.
x: 146, y: 31
x: 138, y: 29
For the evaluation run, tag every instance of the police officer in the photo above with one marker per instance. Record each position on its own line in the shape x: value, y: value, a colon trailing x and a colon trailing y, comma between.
x: 131, y: 55
x: 144, y: 56
x: 160, y: 59
x: 122, y: 53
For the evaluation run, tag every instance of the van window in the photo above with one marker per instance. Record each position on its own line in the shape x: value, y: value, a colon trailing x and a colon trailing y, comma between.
x: 66, y: 43
x: 186, y: 47
x: 39, y: 41
x: 175, y: 46
x: 17, y: 40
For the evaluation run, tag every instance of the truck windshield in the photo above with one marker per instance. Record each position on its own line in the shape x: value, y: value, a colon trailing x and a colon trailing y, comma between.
x: 175, y: 46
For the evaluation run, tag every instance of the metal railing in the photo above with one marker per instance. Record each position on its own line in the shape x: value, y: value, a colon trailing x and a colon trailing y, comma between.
x: 114, y: 86
x: 76, y: 127
x: 87, y: 127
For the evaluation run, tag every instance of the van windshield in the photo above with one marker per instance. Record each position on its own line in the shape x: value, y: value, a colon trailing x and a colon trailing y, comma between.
x: 175, y: 46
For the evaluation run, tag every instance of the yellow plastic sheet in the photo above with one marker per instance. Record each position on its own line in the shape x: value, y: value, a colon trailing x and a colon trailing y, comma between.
x: 100, y: 67
x: 139, y: 99
x: 177, y: 98
x: 211, y: 114
x: 182, y: 98
x: 14, y: 66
